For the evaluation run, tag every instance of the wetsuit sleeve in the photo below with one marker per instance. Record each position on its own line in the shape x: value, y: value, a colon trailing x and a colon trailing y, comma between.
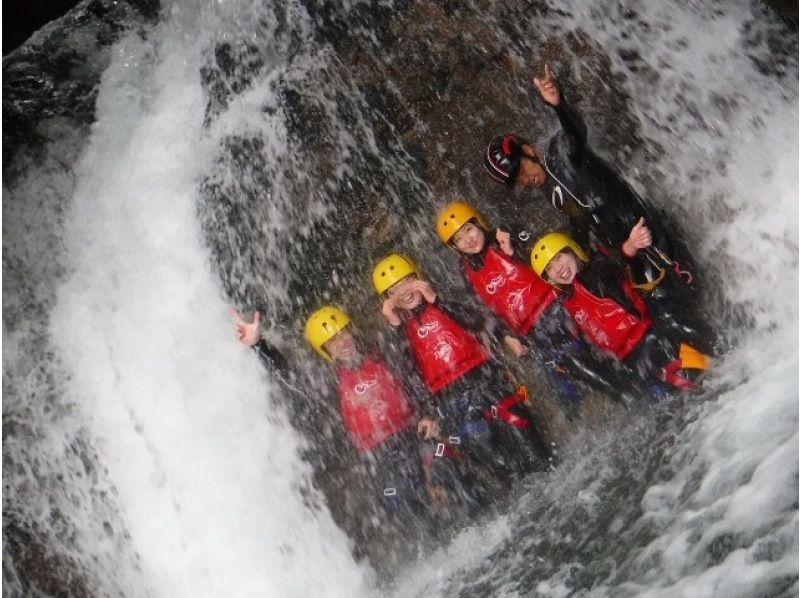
x: 573, y: 128
x: 412, y: 384
x: 271, y: 357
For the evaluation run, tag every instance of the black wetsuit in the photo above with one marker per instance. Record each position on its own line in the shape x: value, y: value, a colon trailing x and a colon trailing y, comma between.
x: 397, y: 468
x: 272, y: 358
x: 594, y: 197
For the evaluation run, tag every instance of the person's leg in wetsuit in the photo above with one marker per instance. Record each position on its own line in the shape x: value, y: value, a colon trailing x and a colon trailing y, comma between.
x: 399, y: 475
x: 498, y: 425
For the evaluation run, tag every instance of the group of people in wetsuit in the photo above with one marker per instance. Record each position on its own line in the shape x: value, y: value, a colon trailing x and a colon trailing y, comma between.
x: 601, y: 308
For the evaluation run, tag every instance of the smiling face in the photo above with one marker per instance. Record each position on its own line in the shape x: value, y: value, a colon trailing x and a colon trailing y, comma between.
x: 469, y: 239
x: 342, y: 347
x: 405, y: 294
x: 563, y: 268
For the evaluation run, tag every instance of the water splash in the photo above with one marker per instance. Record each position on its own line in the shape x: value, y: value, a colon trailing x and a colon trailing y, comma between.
x: 239, y: 127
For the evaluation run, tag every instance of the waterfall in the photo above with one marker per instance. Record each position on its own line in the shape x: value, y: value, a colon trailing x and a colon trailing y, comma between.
x: 262, y: 156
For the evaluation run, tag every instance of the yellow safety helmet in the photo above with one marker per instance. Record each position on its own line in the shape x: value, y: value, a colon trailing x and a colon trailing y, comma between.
x: 455, y: 215
x: 548, y: 247
x: 391, y: 270
x: 323, y: 325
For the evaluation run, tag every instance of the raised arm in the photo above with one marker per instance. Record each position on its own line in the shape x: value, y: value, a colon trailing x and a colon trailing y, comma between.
x: 249, y: 334
x: 573, y: 127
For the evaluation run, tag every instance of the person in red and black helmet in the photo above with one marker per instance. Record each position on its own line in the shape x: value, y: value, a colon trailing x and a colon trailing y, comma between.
x: 601, y: 206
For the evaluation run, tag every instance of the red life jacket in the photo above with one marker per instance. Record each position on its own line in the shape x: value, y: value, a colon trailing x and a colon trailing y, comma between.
x: 511, y: 290
x: 606, y: 322
x: 373, y: 404
x: 444, y: 351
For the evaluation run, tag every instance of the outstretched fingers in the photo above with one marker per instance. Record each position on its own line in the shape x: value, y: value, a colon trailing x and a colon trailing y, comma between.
x: 547, y: 87
x: 247, y: 332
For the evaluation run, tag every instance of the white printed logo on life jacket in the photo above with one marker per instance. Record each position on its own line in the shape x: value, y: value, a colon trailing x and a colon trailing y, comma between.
x: 516, y: 298
x: 378, y: 411
x: 597, y: 333
x: 364, y: 386
x: 495, y: 283
x: 557, y: 196
x: 443, y: 351
x: 424, y: 330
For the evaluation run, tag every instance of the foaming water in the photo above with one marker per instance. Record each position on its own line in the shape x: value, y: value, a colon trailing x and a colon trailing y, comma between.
x: 213, y: 493
x: 196, y: 460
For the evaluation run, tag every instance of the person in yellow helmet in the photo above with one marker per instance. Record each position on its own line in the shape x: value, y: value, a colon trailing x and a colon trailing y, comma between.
x: 376, y: 410
x: 474, y: 406
x: 378, y: 414
x: 373, y: 402
x: 526, y: 304
x: 613, y: 315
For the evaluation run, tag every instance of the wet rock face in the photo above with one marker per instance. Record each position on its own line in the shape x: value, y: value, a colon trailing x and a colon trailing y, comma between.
x: 57, y: 72
x: 231, y: 72
x: 421, y: 89
x: 376, y: 141
x: 396, y: 120
x: 41, y: 574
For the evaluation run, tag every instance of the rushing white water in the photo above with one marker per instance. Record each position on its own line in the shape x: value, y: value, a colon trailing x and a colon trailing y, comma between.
x: 206, y: 473
x: 216, y: 497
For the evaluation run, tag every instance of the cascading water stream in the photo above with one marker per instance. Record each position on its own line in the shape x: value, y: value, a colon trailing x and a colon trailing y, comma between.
x: 234, y: 159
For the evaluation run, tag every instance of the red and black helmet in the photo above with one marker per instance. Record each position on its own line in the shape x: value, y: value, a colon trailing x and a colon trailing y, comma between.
x: 503, y: 156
